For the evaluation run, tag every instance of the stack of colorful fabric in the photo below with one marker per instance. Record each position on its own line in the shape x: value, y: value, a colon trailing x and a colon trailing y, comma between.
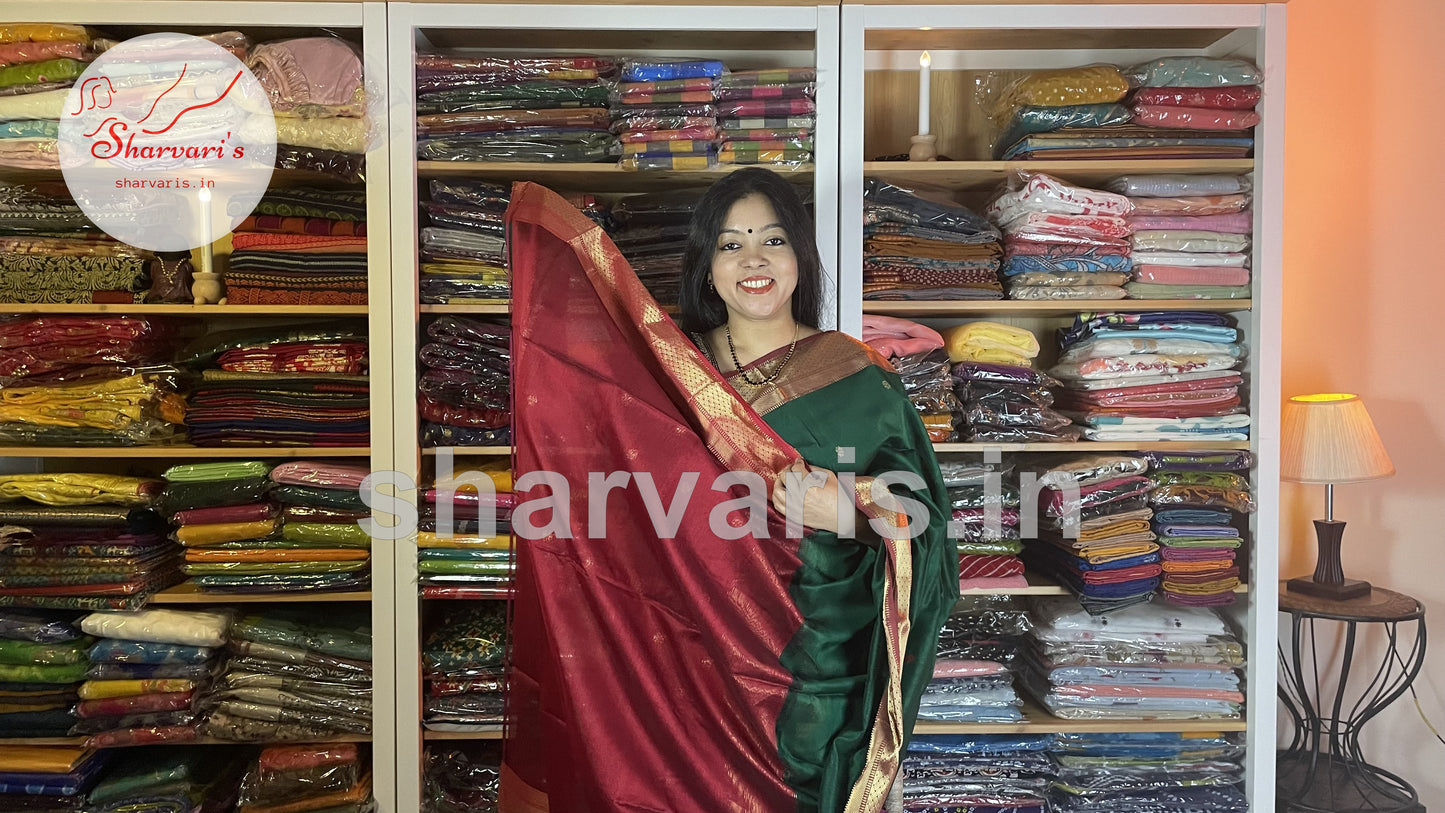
x: 651, y: 233
x: 168, y: 779
x: 1145, y: 772
x: 1191, y: 235
x: 42, y: 661
x: 464, y: 662
x: 918, y: 247
x: 1200, y: 501
x: 331, y: 777
x: 1153, y: 376
x: 148, y: 673
x: 462, y: 777
x: 464, y: 397
x: 1075, y: 100
x: 464, y: 247
x: 72, y: 266
x: 663, y: 113
x: 916, y: 352
x: 475, y: 565
x: 291, y: 676
x: 303, y: 385
x: 1062, y: 241
x: 1009, y: 403
x: 48, y: 778
x: 1148, y: 662
x: 1197, y: 96
x: 985, y: 526
x: 93, y: 381
x: 303, y: 246
x: 318, y: 100
x: 218, y: 509
x: 82, y: 541
x: 768, y: 117
x: 1004, y: 773
x: 1096, y: 539
x: 321, y: 546
x: 535, y: 109
x: 981, y: 630
x: 37, y: 63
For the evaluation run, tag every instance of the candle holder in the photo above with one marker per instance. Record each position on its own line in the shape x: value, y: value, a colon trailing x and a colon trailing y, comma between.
x: 207, y: 288
x: 924, y: 147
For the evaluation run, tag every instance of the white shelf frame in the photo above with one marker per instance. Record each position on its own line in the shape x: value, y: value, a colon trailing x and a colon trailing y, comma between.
x: 1259, y: 33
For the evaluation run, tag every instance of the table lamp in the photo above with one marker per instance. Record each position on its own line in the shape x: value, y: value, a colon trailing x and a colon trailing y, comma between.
x: 1328, y: 438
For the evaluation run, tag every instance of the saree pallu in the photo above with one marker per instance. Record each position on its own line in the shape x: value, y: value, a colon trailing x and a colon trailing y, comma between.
x: 806, y: 657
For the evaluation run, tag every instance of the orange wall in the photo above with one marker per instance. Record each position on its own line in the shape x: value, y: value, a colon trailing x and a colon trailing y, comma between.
x: 1364, y: 312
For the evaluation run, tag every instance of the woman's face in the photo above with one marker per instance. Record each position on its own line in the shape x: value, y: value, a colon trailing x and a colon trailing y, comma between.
x: 753, y: 265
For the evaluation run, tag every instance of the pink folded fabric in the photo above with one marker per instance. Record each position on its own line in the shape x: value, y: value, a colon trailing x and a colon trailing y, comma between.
x: 1191, y: 275
x: 1195, y: 554
x: 14, y: 53
x: 1236, y: 223
x: 999, y: 583
x: 1227, y: 98
x: 953, y: 667
x: 1194, y: 118
x: 1191, y: 206
x: 255, y: 512
x: 507, y: 500
x: 320, y: 474
x: 894, y: 337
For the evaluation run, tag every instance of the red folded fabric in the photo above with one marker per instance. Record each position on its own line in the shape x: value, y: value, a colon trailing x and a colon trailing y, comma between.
x: 321, y: 474
x: 1123, y: 574
x: 255, y: 512
x: 1231, y: 98
x: 1191, y: 275
x: 979, y: 566
x: 292, y: 242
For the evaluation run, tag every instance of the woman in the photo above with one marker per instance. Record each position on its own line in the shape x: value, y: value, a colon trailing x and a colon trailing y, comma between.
x: 689, y: 669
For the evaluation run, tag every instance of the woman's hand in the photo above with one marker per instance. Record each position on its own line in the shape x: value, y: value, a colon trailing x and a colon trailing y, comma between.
x: 820, y: 504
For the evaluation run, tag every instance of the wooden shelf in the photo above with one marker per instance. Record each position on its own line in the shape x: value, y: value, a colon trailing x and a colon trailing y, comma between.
x: 188, y: 594
x: 986, y: 175
x: 79, y: 741
x: 188, y: 310
x: 1098, y: 446
x: 1040, y: 585
x: 184, y: 451
x: 587, y: 177
x: 1014, y: 307
x: 463, y: 735
x: 471, y: 451
x: 981, y: 38
x: 498, y: 308
x: 1038, y: 721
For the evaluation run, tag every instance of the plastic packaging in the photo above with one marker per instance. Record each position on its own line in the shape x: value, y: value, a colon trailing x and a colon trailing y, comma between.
x: 283, y: 774
x: 1188, y: 240
x: 999, y: 414
x: 1194, y: 72
x: 789, y: 91
x: 658, y: 70
x: 1194, y: 118
x: 491, y: 197
x: 1054, y: 293
x: 1173, y: 186
x: 1198, y: 461
x: 1094, y: 469
x: 1216, y: 98
x: 38, y: 626
x: 343, y: 166
x: 1087, y: 85
x: 1203, y: 496
x: 1037, y: 192
x: 462, y: 778
x: 1031, y: 119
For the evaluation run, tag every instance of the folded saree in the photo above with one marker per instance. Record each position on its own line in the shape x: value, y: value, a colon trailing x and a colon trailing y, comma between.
x: 78, y: 489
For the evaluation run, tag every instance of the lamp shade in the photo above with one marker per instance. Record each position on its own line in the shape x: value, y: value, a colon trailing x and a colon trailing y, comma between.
x: 1329, y: 438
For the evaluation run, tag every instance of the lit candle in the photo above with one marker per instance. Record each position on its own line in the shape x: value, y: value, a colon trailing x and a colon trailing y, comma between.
x: 207, y: 237
x: 923, y: 62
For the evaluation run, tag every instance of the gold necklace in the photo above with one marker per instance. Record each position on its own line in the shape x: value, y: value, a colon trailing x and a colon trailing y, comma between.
x: 728, y: 331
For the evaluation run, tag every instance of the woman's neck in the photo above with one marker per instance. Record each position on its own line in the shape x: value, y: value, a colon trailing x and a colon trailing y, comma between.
x: 751, y: 340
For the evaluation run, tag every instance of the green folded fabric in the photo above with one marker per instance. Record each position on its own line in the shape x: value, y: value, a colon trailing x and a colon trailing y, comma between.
x: 1154, y: 290
x: 34, y: 73
x: 353, y: 642
x: 261, y: 568
x: 42, y: 673
x: 1199, y: 541
x: 1002, y: 547
x: 320, y: 497
x: 465, y: 568
x: 185, y: 496
x: 330, y: 534
x: 221, y: 470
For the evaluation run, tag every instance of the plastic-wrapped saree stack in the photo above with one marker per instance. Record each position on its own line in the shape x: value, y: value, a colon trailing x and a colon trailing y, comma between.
x: 1004, y: 399
x: 919, y: 245
x: 301, y: 246
x: 330, y: 777
x: 651, y: 232
x: 93, y: 381
x: 985, y: 525
x: 38, y: 63
x: 147, y: 675
x: 249, y: 528
x: 48, y: 778
x: 462, y: 777
x: 464, y: 244
x: 318, y: 99
x: 82, y: 541
x: 42, y: 662
x: 1095, y: 536
x: 535, y: 109
x: 169, y: 779
x: 664, y: 114
x: 1061, y: 241
x: 1148, y: 662
x: 464, y: 397
x: 1147, y: 772
x: 464, y: 663
x: 50, y: 252
x: 968, y: 773
x: 1197, y: 98
x: 1153, y: 376
x: 291, y: 677
x: 1191, y: 235
x: 1200, y: 501
x: 460, y: 559
x: 977, y: 648
x: 292, y: 385
x: 767, y: 116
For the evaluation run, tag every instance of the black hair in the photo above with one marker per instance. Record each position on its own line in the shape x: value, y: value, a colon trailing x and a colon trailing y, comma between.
x: 701, y: 307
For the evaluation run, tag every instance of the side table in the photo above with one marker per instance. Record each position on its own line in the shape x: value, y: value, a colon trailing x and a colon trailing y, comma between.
x: 1323, y: 770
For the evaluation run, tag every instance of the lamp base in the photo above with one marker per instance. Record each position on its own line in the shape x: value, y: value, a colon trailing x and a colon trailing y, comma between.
x: 1348, y: 589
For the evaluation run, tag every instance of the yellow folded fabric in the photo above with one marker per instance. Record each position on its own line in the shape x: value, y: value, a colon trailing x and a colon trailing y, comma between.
x: 75, y: 488
x: 1090, y: 84
x: 428, y: 539
x: 341, y: 134
x: 1202, y: 566
x: 499, y: 470
x: 1206, y: 589
x: 969, y: 342
x: 40, y: 758
x: 217, y: 533
x: 1103, y: 554
x: 277, y: 555
x: 1103, y: 532
x: 98, y: 689
x: 43, y: 32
